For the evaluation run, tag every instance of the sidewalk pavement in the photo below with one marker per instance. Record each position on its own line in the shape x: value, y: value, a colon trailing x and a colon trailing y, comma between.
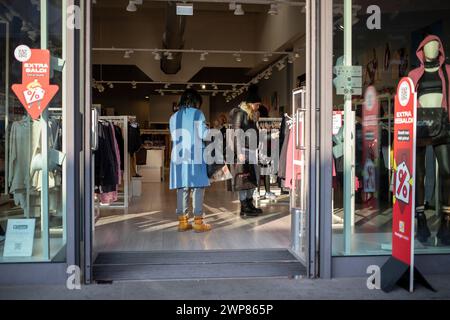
x: 234, y: 289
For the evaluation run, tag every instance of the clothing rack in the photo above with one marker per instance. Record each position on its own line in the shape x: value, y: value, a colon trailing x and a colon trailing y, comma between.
x: 122, y: 121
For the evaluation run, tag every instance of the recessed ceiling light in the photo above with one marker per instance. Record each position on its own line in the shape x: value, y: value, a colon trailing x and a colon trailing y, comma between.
x: 203, y: 86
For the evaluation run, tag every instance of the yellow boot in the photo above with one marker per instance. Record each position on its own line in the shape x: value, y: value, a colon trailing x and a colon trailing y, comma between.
x: 199, y: 226
x: 184, y: 224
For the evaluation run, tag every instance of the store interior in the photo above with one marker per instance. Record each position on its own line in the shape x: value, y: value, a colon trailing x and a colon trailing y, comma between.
x: 144, y: 56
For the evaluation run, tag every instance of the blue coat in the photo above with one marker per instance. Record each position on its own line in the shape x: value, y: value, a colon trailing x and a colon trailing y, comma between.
x: 187, y: 164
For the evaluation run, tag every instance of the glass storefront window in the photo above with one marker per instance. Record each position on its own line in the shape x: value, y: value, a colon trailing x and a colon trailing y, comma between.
x: 362, y: 159
x: 24, y: 223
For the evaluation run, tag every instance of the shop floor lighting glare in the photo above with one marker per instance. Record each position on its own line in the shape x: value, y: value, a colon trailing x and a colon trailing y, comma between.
x: 273, y: 11
x: 239, y: 11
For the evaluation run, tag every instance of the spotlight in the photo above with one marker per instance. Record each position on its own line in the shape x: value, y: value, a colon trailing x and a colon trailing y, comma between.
x: 239, y: 11
x: 291, y: 58
x: 266, y: 57
x: 214, y: 93
x: 169, y: 55
x: 161, y: 92
x: 273, y: 11
x: 203, y: 86
x: 255, y: 81
x: 280, y: 66
x: 131, y: 6
x: 189, y: 86
x: 237, y: 57
x: 127, y: 54
x: 156, y: 56
x: 203, y: 56
x: 232, y: 6
x: 134, y: 84
x: 166, y: 86
x: 147, y: 97
x: 215, y: 86
x: 111, y: 85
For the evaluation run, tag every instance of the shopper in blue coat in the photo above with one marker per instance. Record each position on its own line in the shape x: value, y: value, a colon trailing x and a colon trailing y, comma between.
x: 188, y: 172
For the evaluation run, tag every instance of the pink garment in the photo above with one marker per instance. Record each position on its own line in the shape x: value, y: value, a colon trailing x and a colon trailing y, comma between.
x: 417, y: 73
x: 108, y: 198
x: 291, y: 171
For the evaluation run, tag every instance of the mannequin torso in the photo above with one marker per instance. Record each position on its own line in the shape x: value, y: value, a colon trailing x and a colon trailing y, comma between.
x: 431, y: 100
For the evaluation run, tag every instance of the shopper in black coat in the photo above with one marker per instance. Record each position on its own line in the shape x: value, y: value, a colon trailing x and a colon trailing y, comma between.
x: 244, y: 169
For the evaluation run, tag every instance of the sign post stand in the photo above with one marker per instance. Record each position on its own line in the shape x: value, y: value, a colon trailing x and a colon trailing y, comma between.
x: 400, y: 269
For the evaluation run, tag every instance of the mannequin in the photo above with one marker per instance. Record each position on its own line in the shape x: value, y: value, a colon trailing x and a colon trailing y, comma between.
x: 432, y: 87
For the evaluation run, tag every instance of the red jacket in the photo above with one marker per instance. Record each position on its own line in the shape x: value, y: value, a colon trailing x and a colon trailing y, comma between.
x: 417, y: 73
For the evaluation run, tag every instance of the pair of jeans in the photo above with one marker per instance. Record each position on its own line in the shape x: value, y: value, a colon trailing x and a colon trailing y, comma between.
x: 246, y: 194
x: 183, y: 200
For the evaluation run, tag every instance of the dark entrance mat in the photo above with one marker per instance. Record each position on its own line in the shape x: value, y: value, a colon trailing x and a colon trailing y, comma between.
x: 185, y: 265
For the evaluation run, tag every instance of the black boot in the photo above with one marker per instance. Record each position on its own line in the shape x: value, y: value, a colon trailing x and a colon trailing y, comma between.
x: 252, y: 206
x: 246, y: 210
x: 423, y: 233
x: 444, y: 229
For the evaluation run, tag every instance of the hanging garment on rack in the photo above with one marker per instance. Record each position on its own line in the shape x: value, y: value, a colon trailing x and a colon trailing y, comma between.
x: 283, y: 153
x: 54, y: 170
x: 134, y: 137
x: 119, y: 138
x: 107, y: 163
x: 23, y: 138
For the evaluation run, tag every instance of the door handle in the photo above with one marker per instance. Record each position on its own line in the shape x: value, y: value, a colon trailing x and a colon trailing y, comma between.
x: 94, y: 129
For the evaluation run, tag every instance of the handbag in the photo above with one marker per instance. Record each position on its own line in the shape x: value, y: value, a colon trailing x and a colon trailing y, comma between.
x: 217, y: 173
x: 244, y: 177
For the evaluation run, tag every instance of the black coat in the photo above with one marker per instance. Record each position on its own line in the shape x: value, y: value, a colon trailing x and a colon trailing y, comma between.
x: 244, y: 174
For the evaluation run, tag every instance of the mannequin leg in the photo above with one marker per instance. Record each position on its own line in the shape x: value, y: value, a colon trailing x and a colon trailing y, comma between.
x: 423, y: 232
x: 443, y: 157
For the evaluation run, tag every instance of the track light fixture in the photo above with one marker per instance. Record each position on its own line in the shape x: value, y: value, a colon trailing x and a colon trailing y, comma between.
x: 203, y: 56
x: 134, y: 84
x: 131, y: 6
x: 156, y: 56
x: 239, y: 11
x: 127, y: 54
x: 273, y: 11
x: 237, y: 57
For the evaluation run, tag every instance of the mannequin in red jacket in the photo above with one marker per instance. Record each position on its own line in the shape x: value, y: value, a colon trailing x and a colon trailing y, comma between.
x: 433, y: 92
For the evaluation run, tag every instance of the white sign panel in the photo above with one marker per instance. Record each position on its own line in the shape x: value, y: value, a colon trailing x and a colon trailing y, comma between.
x: 19, y: 238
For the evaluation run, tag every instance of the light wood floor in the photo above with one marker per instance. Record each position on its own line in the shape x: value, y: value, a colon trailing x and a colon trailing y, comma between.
x: 150, y: 223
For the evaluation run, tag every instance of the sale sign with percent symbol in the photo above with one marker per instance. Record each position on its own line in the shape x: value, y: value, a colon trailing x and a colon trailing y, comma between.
x: 404, y: 172
x: 35, y: 92
x: 401, y: 264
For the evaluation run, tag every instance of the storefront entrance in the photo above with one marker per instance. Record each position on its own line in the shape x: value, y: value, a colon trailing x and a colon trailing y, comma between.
x: 136, y: 82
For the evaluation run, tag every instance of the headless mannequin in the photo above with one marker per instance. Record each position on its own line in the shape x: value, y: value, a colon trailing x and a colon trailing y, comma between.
x: 433, y: 99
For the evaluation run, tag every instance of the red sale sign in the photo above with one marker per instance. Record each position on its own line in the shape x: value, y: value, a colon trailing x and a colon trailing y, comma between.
x: 404, y: 172
x: 35, y: 92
